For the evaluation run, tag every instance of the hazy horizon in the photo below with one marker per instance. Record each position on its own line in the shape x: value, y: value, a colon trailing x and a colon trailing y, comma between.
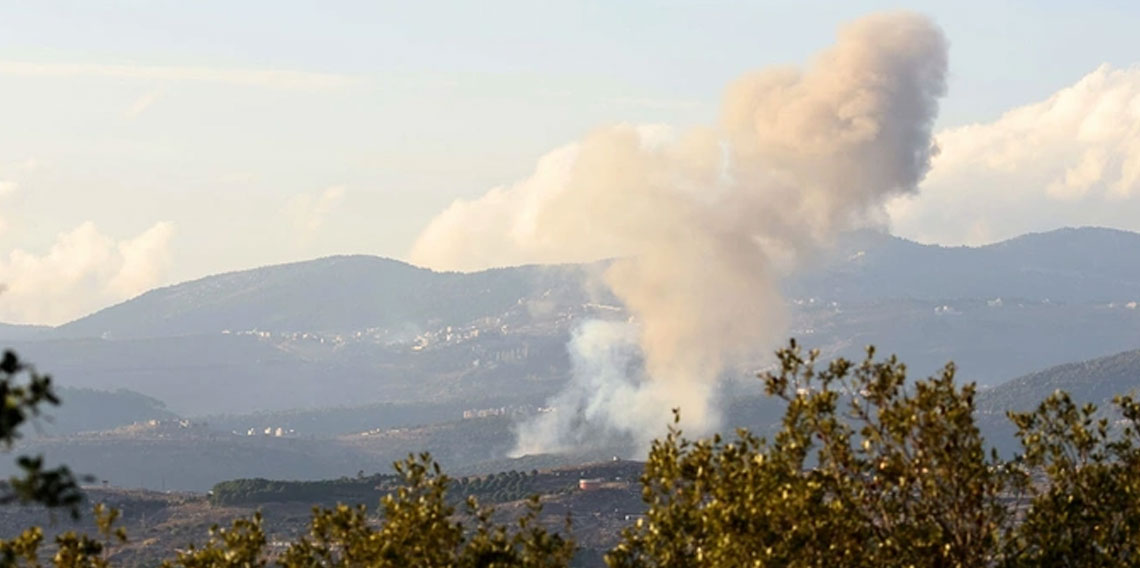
x: 155, y: 144
x: 672, y: 272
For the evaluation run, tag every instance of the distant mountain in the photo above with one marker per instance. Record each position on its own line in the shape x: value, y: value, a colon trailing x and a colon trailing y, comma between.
x: 186, y: 455
x: 340, y: 293
x: 360, y: 330
x: 338, y: 347
x: 15, y: 332
x: 89, y: 410
x: 240, y: 373
x: 1065, y: 265
x: 349, y: 293
x: 988, y: 340
x: 1096, y: 380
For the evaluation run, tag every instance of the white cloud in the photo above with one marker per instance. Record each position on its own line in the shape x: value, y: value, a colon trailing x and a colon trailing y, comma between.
x: 280, y: 79
x: 307, y: 212
x: 1070, y: 160
x: 82, y: 271
x: 144, y: 261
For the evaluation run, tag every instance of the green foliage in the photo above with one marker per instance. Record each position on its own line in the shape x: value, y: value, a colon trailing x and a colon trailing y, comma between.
x: 417, y: 527
x: 54, y: 488
x: 72, y: 550
x: 240, y: 546
x: 867, y: 470
x: 253, y: 491
x: 81, y: 551
x: 418, y: 530
x: 498, y: 488
x: 1086, y: 509
x: 862, y: 473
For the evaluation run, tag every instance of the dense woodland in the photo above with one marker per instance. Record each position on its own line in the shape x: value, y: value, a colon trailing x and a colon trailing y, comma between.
x: 493, y: 488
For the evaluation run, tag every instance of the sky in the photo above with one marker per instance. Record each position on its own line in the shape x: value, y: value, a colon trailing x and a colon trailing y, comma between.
x: 144, y: 143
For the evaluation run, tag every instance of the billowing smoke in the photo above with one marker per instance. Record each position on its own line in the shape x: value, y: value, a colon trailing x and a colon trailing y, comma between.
x: 704, y: 222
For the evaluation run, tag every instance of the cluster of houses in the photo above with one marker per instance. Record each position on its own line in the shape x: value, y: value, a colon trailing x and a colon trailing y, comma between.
x: 270, y: 431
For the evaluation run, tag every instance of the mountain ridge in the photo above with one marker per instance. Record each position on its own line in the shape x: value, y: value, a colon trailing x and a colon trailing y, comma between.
x: 336, y: 293
x: 1095, y: 380
x: 1063, y: 265
x: 1059, y: 265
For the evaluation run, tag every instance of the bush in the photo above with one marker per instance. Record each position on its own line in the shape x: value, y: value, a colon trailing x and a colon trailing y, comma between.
x: 868, y: 471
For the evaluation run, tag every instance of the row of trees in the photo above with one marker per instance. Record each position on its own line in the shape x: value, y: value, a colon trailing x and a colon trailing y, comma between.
x: 258, y: 490
x: 865, y: 470
x: 496, y: 487
x: 493, y: 488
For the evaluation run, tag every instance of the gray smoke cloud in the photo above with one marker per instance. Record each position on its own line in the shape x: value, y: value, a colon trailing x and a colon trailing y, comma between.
x: 705, y: 221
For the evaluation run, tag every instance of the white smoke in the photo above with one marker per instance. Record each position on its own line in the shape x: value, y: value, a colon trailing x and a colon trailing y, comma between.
x: 699, y: 219
x: 604, y: 356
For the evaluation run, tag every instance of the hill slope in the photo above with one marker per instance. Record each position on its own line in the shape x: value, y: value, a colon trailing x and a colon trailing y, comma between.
x: 341, y: 293
x: 1066, y: 265
x: 1096, y: 380
x: 355, y: 330
x: 14, y: 332
x: 360, y: 292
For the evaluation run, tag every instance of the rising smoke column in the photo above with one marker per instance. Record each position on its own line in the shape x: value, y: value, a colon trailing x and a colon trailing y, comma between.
x: 704, y: 221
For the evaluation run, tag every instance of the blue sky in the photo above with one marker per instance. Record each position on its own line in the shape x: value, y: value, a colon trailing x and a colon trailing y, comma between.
x: 1003, y: 53
x: 209, y: 136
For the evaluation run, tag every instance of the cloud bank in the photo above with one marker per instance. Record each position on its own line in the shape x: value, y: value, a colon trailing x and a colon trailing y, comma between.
x: 1072, y: 159
x: 704, y: 220
x: 84, y: 270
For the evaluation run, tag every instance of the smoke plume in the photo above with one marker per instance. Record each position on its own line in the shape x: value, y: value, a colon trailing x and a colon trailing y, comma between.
x: 704, y: 222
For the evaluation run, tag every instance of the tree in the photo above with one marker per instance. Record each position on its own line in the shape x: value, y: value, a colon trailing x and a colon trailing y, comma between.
x: 867, y: 470
x: 22, y: 401
x: 240, y: 546
x: 1085, y: 511
x: 419, y: 529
